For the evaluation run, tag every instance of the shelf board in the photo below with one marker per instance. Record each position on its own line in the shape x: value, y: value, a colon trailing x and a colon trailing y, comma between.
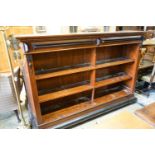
x: 64, y: 93
x: 72, y: 112
x: 64, y: 72
x: 114, y: 63
x: 112, y: 80
x: 81, y: 69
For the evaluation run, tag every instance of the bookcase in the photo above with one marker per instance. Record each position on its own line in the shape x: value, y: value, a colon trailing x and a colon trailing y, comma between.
x: 76, y: 77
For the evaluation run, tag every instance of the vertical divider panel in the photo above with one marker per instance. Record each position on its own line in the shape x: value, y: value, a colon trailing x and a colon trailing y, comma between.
x: 93, y: 72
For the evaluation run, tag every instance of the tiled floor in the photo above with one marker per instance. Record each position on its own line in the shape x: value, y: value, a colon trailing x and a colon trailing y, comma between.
x: 9, y: 120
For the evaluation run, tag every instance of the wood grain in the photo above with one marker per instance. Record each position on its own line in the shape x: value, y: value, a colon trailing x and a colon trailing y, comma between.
x: 110, y: 64
x: 64, y: 113
x: 64, y: 72
x: 147, y: 114
x: 63, y: 93
x: 112, y: 81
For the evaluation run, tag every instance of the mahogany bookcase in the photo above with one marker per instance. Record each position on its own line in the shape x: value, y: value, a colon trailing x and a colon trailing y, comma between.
x: 76, y: 77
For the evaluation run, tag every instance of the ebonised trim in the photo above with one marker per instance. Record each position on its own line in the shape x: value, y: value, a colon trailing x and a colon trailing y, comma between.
x: 58, y: 44
x: 95, y: 114
x: 128, y: 38
x: 85, y: 42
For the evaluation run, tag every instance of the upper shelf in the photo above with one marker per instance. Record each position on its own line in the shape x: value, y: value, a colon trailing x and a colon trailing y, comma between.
x: 82, y: 69
x: 112, y: 81
x: 63, y: 72
x: 114, y: 63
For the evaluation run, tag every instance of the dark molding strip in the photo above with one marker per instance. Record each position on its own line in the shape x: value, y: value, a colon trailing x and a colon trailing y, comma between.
x: 58, y: 44
x: 85, y: 42
x: 126, y: 38
x: 96, y: 114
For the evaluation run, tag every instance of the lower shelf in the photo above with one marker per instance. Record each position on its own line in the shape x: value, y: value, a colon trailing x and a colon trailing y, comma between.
x: 63, y: 115
x: 63, y: 93
x: 112, y: 80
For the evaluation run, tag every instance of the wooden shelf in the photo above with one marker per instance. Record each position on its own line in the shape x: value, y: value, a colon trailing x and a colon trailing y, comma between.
x: 112, y: 81
x: 73, y: 111
x: 64, y: 93
x: 115, y: 63
x: 81, y: 69
x: 64, y: 72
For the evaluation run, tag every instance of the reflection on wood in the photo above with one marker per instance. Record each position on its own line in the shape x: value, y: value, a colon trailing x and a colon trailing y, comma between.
x: 113, y: 80
x: 114, y: 63
x: 45, y: 91
x: 63, y: 93
x: 43, y: 71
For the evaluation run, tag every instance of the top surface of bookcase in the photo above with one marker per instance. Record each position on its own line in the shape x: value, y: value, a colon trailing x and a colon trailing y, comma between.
x: 34, y: 38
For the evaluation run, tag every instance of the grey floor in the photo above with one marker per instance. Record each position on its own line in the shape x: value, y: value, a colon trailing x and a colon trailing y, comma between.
x: 9, y: 120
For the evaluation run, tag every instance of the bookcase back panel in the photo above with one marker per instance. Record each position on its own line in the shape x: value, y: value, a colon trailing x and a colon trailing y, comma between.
x: 106, y: 53
x: 63, y: 82
x: 57, y: 61
x: 131, y: 50
x: 109, y: 89
x: 105, y: 73
x: 114, y: 53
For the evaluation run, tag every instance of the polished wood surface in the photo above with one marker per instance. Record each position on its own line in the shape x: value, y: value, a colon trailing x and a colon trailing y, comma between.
x: 147, y: 114
x: 71, y: 76
x: 62, y: 73
x: 115, y: 63
x: 34, y: 38
x: 122, y: 120
x: 63, y: 93
x: 112, y: 81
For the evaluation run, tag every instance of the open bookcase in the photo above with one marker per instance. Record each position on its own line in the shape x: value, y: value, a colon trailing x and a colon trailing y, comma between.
x: 73, y: 78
